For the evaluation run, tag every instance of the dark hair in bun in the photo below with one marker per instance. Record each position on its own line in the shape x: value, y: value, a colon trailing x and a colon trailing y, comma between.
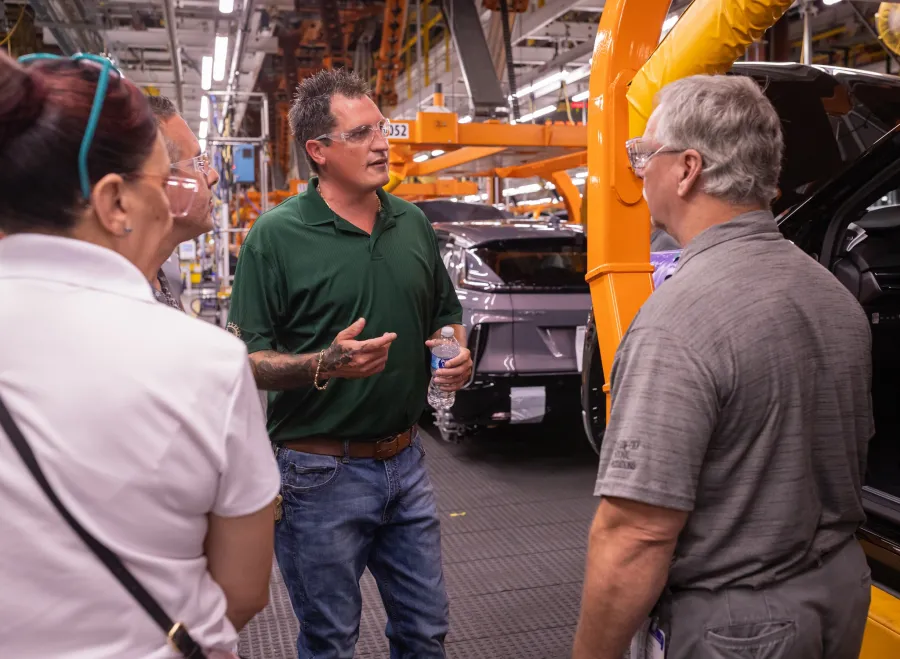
x: 44, y: 111
x: 22, y: 100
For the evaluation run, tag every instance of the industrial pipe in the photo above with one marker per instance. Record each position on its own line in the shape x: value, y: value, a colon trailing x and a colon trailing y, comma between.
x: 175, y: 51
x: 237, y: 56
x: 708, y: 38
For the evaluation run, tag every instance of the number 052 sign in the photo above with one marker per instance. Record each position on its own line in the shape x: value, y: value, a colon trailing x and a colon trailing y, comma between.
x: 399, y: 130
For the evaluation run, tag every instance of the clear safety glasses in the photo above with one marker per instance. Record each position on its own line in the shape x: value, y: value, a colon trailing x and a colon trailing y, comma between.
x: 198, y: 164
x: 179, y: 190
x: 360, y: 134
x: 641, y: 152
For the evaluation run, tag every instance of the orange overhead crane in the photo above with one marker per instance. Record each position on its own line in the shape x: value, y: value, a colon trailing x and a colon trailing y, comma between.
x: 491, y: 149
x: 629, y: 66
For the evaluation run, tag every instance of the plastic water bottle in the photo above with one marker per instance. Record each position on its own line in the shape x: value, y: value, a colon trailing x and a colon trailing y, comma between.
x: 447, y: 349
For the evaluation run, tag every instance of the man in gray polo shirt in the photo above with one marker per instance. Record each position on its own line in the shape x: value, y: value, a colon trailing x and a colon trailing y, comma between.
x: 731, y: 469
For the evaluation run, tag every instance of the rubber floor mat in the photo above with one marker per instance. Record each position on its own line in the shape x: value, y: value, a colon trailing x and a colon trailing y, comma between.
x: 515, y: 514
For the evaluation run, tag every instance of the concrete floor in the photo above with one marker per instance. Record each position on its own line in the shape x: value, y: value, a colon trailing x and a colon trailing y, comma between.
x: 515, y: 509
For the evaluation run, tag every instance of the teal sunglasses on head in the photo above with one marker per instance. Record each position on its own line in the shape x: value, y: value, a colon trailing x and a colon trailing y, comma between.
x: 180, y: 191
x: 106, y: 66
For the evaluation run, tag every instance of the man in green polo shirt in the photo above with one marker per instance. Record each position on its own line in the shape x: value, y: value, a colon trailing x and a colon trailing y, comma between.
x: 338, y: 294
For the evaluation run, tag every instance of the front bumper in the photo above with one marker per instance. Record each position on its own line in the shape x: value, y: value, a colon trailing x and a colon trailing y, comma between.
x: 487, y: 400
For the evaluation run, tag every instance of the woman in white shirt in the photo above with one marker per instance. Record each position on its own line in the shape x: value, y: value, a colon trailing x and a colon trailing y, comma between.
x: 146, y: 423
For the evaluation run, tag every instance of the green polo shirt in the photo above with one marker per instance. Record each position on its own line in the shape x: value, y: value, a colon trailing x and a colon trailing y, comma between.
x: 304, y: 274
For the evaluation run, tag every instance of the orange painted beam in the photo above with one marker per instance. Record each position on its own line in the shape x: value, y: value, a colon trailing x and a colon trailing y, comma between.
x: 570, y: 194
x: 546, y: 167
x: 437, y: 189
x: 438, y: 129
x: 452, y: 159
x: 388, y: 59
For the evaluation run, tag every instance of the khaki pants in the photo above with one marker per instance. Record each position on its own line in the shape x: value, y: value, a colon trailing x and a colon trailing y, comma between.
x: 817, y: 615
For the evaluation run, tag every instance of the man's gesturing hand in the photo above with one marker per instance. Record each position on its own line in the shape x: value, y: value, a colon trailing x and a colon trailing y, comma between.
x: 352, y: 359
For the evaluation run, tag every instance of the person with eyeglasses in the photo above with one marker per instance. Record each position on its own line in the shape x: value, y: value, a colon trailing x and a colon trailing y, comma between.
x: 731, y: 469
x: 337, y: 294
x: 188, y: 160
x: 137, y: 482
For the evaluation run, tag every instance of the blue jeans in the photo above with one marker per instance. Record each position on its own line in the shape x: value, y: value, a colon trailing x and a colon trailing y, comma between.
x: 342, y: 515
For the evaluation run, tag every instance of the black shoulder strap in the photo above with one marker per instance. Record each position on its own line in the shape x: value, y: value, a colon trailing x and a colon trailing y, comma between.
x: 177, y: 633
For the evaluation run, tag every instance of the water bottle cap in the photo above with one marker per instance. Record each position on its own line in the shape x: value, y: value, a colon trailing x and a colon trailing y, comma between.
x: 447, y: 332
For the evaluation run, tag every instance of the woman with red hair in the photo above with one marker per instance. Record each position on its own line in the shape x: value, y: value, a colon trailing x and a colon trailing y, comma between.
x: 136, y: 478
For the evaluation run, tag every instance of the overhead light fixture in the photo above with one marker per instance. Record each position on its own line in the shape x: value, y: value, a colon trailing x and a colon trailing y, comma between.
x: 437, y: 152
x: 204, y: 130
x: 541, y: 83
x: 202, y: 146
x: 206, y: 71
x: 221, y: 54
x: 581, y: 96
x: 465, y: 120
x: 537, y: 113
x: 580, y: 174
x: 579, y: 181
x: 830, y: 2
x: 204, y: 107
x: 226, y: 6
x: 523, y: 189
x: 422, y: 157
x: 578, y: 74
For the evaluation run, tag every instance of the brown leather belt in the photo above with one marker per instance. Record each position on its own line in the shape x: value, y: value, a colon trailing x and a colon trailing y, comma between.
x: 382, y: 449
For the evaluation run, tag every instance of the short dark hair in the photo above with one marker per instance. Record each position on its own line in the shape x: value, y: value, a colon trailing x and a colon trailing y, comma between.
x: 310, y: 114
x: 44, y: 108
x: 164, y: 109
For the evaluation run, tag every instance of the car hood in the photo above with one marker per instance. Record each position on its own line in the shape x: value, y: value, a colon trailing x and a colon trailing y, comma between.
x: 829, y: 117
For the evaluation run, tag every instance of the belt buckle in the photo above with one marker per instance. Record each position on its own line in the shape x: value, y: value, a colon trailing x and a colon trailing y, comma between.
x: 386, y: 448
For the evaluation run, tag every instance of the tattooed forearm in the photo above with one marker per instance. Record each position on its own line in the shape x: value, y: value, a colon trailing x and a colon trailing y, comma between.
x: 275, y: 371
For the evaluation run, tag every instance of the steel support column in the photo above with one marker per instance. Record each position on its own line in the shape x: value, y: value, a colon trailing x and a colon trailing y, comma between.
x: 175, y: 52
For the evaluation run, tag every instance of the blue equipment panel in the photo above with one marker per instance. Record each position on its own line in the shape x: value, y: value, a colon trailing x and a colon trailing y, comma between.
x: 244, y: 168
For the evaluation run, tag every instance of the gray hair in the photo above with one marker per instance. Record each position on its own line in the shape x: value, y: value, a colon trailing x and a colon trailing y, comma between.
x: 734, y: 127
x: 310, y: 114
x: 164, y: 109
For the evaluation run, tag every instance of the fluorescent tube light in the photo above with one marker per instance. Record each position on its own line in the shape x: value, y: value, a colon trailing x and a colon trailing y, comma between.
x: 206, y: 71
x: 221, y: 54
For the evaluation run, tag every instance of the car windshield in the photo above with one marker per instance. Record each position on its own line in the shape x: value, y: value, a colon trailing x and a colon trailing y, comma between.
x: 558, y: 263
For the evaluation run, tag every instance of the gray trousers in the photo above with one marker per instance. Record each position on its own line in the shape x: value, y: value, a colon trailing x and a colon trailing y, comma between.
x: 817, y: 615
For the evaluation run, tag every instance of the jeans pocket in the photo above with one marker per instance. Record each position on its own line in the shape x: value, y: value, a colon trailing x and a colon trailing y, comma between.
x: 417, y: 442
x: 770, y: 639
x: 306, y: 472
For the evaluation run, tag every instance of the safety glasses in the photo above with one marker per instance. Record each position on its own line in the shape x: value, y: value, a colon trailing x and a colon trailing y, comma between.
x: 361, y: 134
x: 106, y: 67
x: 641, y: 152
x: 179, y: 190
x: 198, y: 164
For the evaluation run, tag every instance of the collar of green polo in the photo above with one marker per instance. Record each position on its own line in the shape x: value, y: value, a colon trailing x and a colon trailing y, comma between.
x: 318, y: 212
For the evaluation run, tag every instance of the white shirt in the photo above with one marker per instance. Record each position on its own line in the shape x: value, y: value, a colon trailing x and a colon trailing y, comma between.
x: 144, y: 421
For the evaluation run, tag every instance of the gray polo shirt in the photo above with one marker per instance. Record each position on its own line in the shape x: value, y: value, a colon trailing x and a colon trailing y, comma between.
x: 742, y: 394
